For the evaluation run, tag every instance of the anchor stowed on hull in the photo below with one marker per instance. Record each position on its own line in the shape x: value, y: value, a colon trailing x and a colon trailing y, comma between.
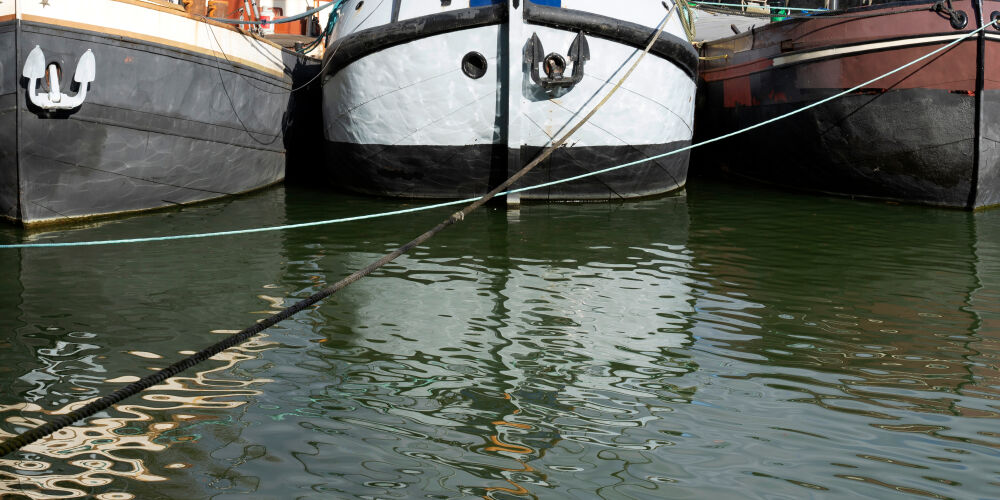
x: 35, y: 70
x: 128, y: 106
x: 447, y: 101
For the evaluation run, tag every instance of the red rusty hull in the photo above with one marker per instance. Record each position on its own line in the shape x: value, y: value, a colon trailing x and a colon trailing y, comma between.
x: 927, y: 134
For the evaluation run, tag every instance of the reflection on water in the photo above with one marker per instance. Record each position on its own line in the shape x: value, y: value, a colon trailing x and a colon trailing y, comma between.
x: 730, y: 343
x: 91, y: 455
x: 867, y: 318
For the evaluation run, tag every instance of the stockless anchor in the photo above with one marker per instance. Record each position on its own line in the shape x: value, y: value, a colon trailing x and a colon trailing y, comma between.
x: 34, y: 70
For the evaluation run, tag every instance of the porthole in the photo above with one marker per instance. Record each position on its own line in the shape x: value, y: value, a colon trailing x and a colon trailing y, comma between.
x: 474, y: 65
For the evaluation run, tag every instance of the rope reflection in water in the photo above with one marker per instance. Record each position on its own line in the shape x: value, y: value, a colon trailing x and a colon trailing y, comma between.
x: 74, y: 460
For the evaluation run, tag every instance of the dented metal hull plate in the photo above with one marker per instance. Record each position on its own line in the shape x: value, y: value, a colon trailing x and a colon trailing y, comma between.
x: 409, y: 110
x: 165, y: 121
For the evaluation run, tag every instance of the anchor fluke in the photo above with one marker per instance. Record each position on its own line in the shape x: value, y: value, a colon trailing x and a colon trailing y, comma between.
x: 86, y: 69
x: 34, y: 66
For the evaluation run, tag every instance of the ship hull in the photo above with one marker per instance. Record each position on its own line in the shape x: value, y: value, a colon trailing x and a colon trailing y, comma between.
x: 164, y: 123
x: 403, y: 119
x: 925, y: 135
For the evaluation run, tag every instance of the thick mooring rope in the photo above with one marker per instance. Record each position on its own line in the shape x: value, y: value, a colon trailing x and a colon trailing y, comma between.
x: 144, y: 383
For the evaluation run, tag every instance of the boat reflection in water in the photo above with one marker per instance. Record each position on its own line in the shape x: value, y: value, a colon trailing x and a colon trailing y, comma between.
x: 509, y: 338
x: 81, y: 322
x: 733, y: 343
x: 487, y: 337
x: 865, y: 333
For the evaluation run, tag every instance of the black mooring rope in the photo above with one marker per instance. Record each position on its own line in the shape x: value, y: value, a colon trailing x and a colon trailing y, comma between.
x: 103, y: 403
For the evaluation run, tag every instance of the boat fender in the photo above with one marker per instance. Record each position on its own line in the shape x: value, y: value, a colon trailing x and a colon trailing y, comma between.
x: 34, y: 70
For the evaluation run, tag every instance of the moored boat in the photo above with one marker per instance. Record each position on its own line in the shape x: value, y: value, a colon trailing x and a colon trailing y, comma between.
x: 114, y: 106
x: 924, y: 135
x: 446, y: 99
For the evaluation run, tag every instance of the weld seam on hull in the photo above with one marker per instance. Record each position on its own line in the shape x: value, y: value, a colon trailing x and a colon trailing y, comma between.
x: 272, y: 137
x: 136, y: 178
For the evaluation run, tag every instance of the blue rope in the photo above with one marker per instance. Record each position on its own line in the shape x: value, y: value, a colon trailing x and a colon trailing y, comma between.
x: 519, y: 190
x: 237, y: 231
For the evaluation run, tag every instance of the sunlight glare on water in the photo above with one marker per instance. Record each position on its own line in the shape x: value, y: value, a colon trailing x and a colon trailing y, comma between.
x: 730, y: 343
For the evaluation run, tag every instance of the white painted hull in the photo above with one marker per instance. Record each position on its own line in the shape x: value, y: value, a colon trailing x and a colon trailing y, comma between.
x: 393, y: 116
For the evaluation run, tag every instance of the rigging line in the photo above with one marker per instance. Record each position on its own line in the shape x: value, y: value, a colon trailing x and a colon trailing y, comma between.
x: 322, y: 70
x: 232, y: 104
x: 294, y: 89
x: 519, y: 190
x: 105, y: 402
x: 236, y: 68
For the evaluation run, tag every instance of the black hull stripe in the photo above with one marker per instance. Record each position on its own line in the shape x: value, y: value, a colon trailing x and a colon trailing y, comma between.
x: 350, y: 48
x: 932, y: 165
x: 448, y: 172
x: 669, y: 47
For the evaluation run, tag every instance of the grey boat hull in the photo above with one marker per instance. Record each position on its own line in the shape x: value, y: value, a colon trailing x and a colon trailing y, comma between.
x: 160, y: 126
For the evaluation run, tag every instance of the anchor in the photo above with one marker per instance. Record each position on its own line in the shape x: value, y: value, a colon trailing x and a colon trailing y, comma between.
x: 34, y: 70
x: 554, y: 64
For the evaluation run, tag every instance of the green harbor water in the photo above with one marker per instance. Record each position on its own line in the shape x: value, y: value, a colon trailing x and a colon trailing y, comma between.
x: 733, y: 342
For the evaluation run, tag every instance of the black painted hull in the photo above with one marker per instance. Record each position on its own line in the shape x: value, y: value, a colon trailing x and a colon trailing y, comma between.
x: 927, y: 135
x: 161, y: 126
x: 854, y: 146
x: 468, y: 171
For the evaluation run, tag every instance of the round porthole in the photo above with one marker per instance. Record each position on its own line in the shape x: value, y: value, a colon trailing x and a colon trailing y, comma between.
x: 474, y: 65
